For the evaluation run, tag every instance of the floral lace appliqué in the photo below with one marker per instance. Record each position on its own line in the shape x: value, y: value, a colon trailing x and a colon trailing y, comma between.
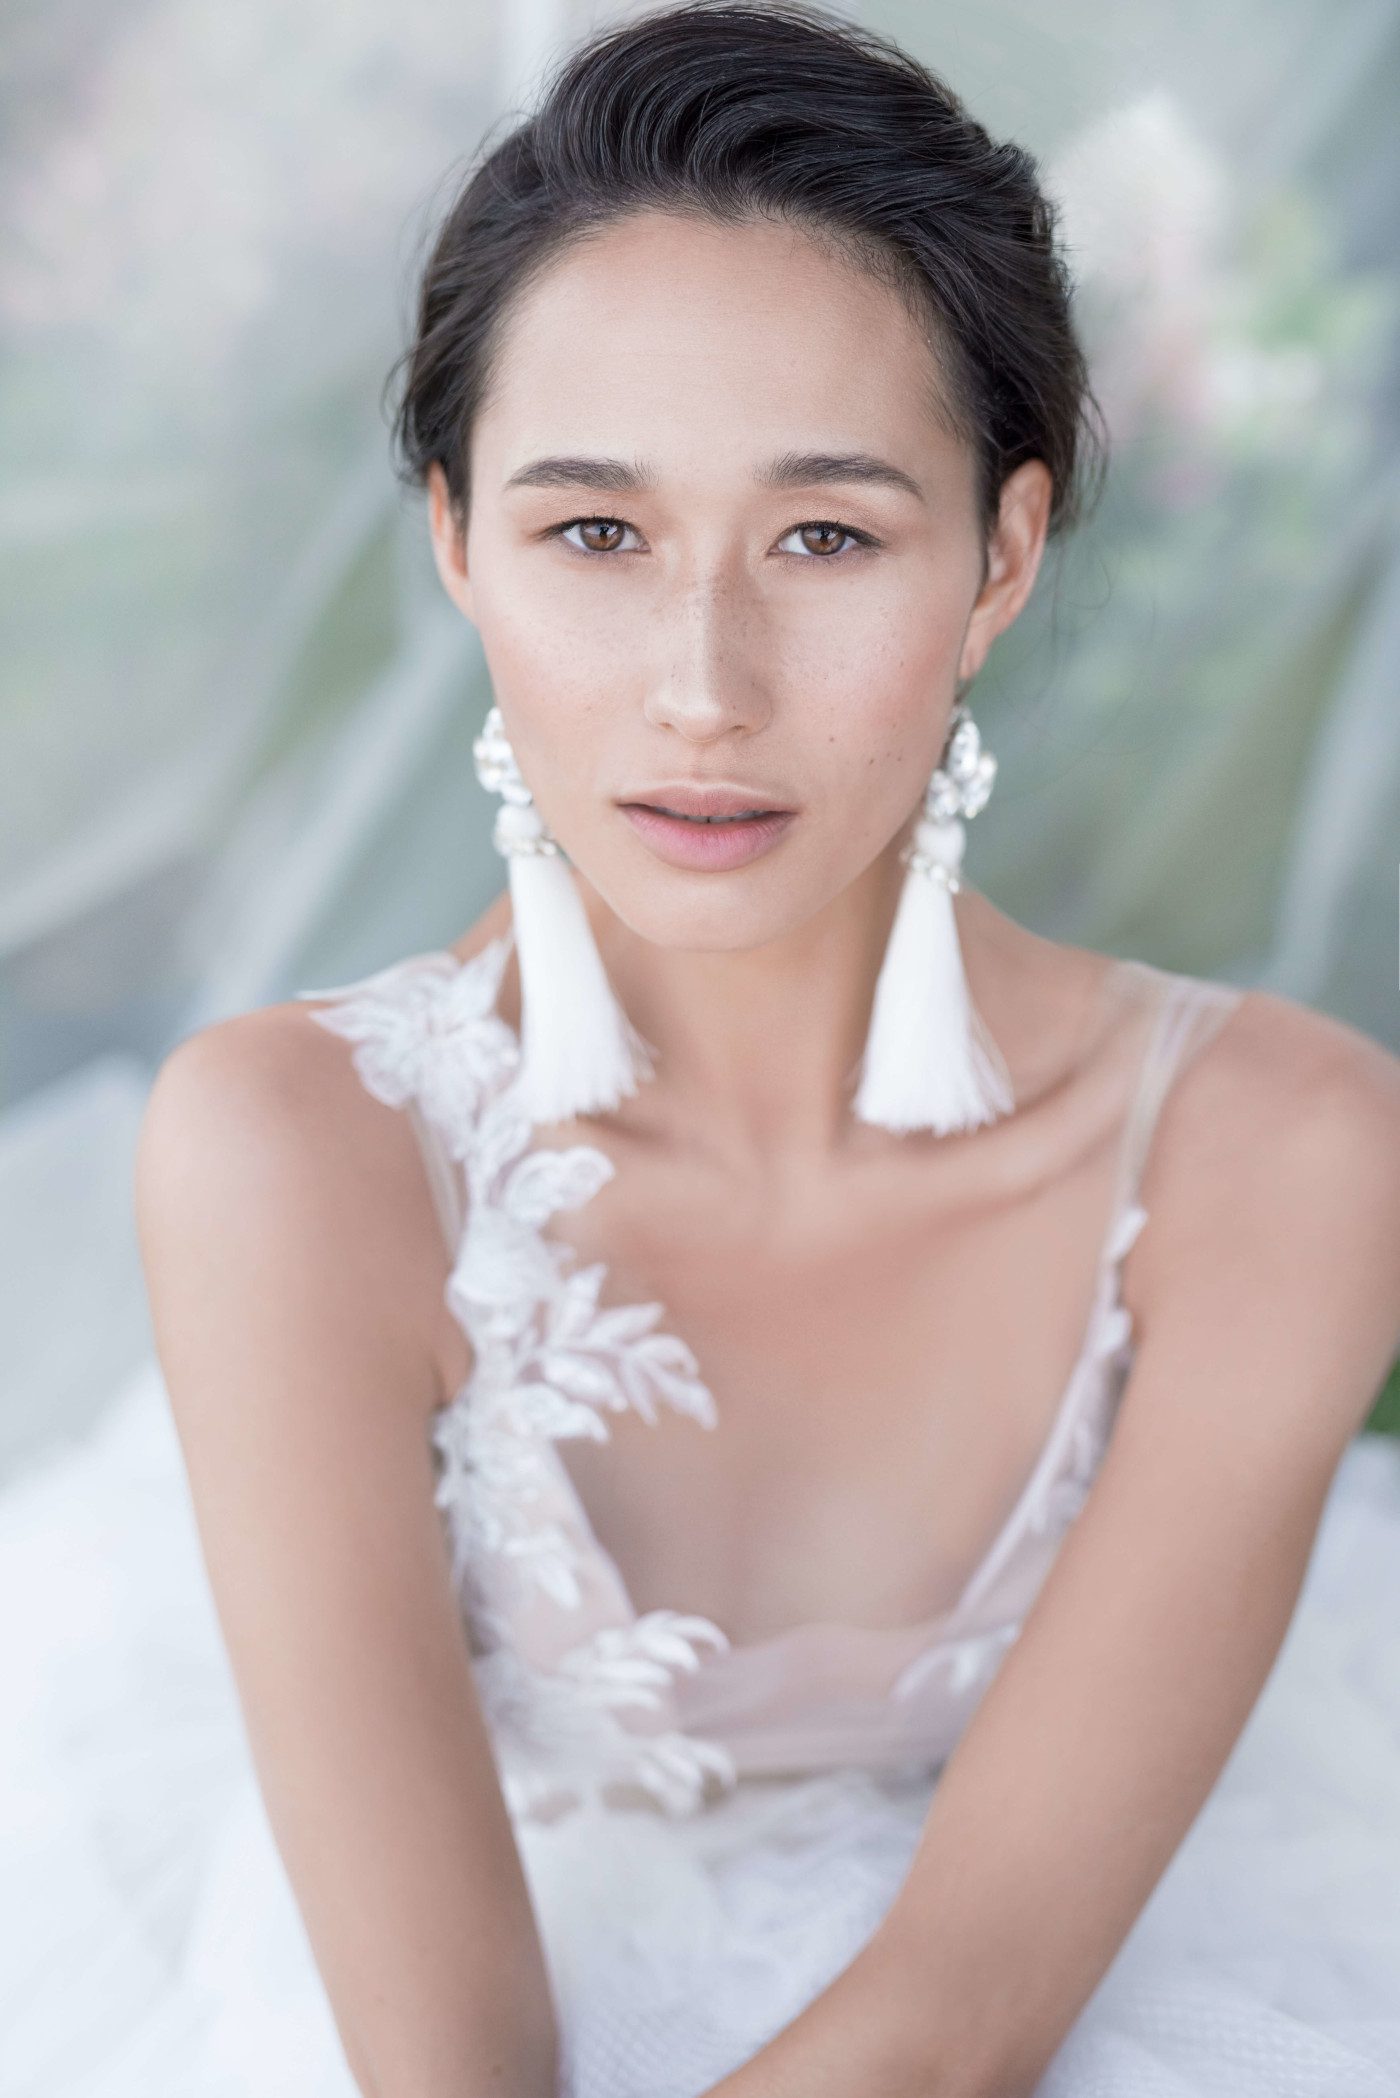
x: 549, y: 1362
x: 427, y: 1029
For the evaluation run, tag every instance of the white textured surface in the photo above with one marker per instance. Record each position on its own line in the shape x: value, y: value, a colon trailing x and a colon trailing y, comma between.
x: 72, y: 1307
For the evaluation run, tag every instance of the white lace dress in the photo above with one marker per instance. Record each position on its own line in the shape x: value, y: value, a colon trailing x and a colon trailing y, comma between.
x: 710, y: 1832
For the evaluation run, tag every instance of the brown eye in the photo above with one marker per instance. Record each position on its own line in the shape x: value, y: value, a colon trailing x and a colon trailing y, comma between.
x: 823, y: 541
x: 606, y: 533
x: 830, y: 534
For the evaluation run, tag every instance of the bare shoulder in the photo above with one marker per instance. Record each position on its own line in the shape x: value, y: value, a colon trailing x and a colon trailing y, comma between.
x: 1273, y: 1198
x: 262, y: 1153
x: 260, y: 1141
x: 1284, y: 1071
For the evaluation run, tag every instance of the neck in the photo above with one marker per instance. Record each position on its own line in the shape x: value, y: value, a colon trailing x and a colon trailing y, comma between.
x: 759, y: 1047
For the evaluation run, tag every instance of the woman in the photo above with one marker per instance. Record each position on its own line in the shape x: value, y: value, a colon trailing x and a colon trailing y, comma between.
x: 813, y: 1703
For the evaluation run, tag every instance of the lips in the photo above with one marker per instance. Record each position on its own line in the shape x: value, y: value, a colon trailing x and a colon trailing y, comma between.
x: 739, y: 815
x: 697, y: 799
x: 714, y: 847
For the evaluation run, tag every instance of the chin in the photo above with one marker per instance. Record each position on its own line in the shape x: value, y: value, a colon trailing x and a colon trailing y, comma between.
x: 693, y: 914
x: 708, y: 927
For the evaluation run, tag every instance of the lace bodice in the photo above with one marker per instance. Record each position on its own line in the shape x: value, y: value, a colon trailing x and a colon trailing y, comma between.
x: 585, y: 1695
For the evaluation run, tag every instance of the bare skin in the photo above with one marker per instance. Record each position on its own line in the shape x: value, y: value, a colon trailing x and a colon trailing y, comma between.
x: 295, y: 1262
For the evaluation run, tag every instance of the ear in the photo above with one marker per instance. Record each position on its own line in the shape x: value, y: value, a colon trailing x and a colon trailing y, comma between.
x: 449, y: 540
x: 1013, y: 560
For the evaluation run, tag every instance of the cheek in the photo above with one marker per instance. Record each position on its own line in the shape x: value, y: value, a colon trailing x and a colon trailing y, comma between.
x: 547, y: 681
x: 884, y: 774
x: 880, y: 658
x: 878, y: 723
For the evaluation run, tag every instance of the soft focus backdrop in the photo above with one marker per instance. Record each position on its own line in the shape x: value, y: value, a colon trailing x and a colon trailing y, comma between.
x: 236, y: 709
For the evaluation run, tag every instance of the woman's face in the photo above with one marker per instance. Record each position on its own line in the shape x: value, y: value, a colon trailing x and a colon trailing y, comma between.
x: 717, y: 536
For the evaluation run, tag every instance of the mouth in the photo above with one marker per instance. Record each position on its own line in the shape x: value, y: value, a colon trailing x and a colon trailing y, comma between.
x: 685, y: 816
x: 699, y: 801
x: 708, y: 841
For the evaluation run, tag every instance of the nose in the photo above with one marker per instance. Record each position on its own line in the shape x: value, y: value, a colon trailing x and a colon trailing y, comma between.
x: 713, y: 680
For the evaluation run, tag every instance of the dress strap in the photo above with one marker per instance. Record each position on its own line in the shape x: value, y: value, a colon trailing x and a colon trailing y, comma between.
x: 1190, y: 1011
x: 391, y: 1017
x: 443, y: 1176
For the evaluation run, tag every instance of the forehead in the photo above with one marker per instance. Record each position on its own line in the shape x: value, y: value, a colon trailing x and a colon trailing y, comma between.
x: 675, y: 335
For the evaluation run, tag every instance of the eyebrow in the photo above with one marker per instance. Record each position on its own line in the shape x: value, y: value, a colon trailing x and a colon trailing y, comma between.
x: 788, y: 470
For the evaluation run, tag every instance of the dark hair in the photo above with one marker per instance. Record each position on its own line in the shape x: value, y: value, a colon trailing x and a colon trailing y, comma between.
x: 736, y: 112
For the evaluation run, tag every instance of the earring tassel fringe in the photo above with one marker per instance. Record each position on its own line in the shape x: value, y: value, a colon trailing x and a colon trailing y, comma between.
x: 929, y: 1060
x: 580, y: 1054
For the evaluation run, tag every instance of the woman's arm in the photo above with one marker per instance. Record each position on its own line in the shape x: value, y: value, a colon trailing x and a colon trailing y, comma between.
x: 1275, y: 1315
x: 294, y: 1265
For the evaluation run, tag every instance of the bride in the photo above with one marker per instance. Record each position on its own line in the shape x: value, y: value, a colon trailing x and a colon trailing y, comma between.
x: 756, y: 1427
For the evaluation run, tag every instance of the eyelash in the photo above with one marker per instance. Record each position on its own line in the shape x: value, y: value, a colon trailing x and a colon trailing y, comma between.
x: 827, y: 524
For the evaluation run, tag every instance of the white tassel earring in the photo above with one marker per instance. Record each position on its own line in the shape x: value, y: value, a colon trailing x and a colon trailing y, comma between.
x: 929, y: 1062
x: 580, y: 1054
